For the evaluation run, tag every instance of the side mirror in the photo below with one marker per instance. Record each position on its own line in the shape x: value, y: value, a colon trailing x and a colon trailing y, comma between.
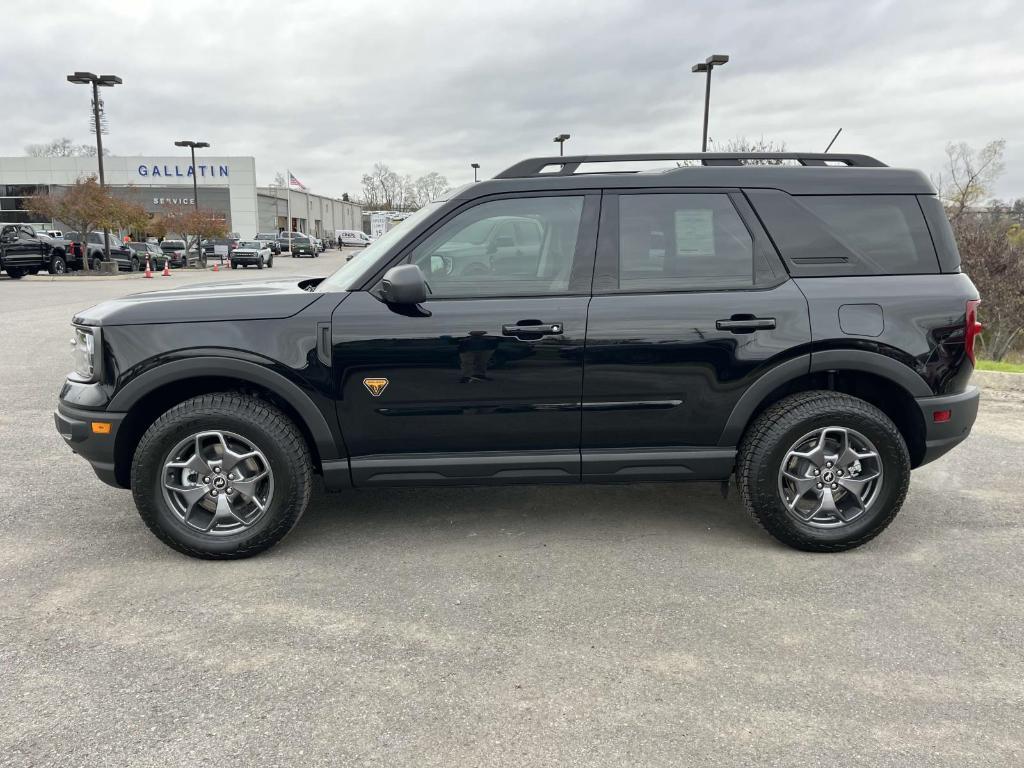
x: 404, y: 285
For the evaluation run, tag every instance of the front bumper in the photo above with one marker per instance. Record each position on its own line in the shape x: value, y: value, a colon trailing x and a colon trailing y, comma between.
x: 75, y: 426
x: 942, y: 436
x: 246, y: 258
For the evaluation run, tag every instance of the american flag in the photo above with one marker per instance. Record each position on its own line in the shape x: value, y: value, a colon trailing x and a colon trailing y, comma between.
x: 293, y: 182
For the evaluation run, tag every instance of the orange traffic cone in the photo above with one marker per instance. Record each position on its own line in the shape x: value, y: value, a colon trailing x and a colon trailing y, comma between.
x: 149, y: 271
x: 216, y: 268
x: 167, y: 269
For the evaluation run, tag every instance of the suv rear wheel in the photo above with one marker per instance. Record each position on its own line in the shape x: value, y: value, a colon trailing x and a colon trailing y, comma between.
x: 221, y: 476
x: 823, y: 471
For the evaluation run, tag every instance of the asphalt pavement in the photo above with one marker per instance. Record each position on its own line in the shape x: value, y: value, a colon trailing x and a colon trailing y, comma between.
x: 643, y: 625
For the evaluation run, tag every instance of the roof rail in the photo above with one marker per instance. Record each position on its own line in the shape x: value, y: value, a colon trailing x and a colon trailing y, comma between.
x: 567, y: 166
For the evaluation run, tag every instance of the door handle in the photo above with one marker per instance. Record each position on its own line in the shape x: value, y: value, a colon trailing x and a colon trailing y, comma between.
x: 532, y: 328
x: 745, y: 324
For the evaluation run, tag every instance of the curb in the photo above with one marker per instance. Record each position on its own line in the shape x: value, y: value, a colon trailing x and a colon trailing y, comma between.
x: 1007, y: 382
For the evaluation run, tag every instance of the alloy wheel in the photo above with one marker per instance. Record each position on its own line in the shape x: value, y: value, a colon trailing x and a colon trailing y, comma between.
x: 830, y: 477
x: 217, y: 482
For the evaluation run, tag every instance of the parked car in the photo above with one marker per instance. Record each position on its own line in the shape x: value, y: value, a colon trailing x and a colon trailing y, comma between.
x: 270, y: 238
x: 297, y: 244
x: 59, y: 249
x: 175, y: 250
x: 220, y: 247
x: 353, y: 238
x: 252, y: 252
x: 22, y: 252
x: 804, y: 330
x: 151, y: 251
x: 94, y: 252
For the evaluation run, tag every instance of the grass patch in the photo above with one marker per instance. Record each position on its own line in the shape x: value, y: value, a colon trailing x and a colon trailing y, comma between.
x: 1002, y: 366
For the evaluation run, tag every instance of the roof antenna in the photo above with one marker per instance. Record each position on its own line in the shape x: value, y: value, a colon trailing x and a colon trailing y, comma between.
x: 833, y: 140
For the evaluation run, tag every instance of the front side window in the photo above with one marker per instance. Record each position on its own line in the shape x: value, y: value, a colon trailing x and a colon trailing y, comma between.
x: 679, y: 242
x: 514, y: 247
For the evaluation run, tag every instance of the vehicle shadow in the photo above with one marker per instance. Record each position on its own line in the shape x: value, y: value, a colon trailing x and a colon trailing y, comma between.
x: 594, y: 512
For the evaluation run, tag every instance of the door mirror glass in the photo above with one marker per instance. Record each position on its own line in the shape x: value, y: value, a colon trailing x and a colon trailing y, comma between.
x: 404, y: 285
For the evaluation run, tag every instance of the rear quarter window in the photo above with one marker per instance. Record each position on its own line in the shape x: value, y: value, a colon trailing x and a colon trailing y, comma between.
x: 823, y: 235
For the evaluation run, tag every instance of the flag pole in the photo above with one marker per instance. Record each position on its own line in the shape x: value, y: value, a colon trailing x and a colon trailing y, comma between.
x: 288, y: 197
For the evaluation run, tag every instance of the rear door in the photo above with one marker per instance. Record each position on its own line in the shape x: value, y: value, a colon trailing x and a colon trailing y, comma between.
x: 484, y: 384
x: 691, y: 306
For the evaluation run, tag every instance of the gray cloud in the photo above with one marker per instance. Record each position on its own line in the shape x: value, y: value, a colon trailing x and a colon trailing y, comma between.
x: 328, y: 88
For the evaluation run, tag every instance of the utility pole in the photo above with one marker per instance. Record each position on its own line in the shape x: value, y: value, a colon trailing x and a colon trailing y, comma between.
x: 97, y: 82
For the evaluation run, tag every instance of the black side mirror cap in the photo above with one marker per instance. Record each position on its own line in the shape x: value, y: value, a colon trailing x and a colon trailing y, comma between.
x: 404, y: 285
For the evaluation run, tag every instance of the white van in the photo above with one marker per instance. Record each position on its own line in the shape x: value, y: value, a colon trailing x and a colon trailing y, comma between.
x: 352, y: 237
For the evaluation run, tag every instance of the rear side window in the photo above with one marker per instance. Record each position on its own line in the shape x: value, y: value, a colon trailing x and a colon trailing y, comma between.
x: 679, y: 242
x: 887, y: 232
x: 833, y: 235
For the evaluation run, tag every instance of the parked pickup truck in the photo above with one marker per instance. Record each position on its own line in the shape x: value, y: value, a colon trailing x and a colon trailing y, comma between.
x: 22, y: 252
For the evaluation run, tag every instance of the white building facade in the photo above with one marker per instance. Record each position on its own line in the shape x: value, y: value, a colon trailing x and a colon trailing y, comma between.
x: 226, y: 185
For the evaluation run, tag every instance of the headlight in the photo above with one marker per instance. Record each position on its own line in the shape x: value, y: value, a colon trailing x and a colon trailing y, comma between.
x: 84, y: 350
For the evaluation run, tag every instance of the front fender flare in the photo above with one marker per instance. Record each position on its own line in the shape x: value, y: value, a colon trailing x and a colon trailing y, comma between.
x: 180, y: 370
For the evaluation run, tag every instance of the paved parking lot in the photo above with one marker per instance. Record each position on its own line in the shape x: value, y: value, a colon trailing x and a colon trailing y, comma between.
x: 645, y: 625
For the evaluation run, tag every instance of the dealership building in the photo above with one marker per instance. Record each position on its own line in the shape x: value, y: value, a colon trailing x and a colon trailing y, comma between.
x: 227, y: 186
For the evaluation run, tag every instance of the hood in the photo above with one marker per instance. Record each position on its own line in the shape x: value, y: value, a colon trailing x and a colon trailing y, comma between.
x: 209, y: 302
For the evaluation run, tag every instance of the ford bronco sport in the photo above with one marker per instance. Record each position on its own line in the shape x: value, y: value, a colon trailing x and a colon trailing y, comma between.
x: 804, y: 327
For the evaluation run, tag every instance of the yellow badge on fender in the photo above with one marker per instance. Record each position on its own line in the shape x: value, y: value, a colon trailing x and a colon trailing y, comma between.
x: 375, y: 386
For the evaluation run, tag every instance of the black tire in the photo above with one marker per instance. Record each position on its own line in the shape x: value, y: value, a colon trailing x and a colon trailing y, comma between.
x: 58, y: 266
x: 33, y: 270
x: 265, y: 427
x: 96, y: 264
x: 270, y: 264
x: 259, y: 263
x: 767, y: 442
x: 15, y: 273
x: 135, y: 265
x: 234, y: 265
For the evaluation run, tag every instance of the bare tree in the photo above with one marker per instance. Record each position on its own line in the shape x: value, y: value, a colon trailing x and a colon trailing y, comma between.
x: 993, y: 257
x: 429, y: 187
x: 967, y: 179
x: 743, y: 145
x: 279, y: 180
x: 62, y: 147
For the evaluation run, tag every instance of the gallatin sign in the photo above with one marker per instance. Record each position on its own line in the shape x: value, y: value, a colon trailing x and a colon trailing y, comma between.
x: 205, y: 171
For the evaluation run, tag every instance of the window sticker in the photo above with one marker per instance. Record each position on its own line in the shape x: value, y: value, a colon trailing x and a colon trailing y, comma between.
x: 695, y: 232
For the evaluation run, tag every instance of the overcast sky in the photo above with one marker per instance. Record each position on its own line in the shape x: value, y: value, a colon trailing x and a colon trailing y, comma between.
x: 328, y: 87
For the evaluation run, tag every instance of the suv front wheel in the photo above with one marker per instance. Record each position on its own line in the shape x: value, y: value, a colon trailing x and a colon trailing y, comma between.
x: 823, y: 471
x: 221, y: 476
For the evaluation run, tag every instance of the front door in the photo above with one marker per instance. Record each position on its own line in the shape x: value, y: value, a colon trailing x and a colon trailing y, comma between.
x: 484, y: 384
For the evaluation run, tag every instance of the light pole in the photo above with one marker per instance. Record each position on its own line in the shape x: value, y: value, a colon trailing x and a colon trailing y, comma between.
x: 560, y: 140
x: 707, y: 65
x: 193, y: 145
x: 97, y: 82
x: 475, y: 167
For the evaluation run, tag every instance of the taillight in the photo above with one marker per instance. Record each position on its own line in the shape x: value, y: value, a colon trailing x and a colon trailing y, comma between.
x: 972, y: 328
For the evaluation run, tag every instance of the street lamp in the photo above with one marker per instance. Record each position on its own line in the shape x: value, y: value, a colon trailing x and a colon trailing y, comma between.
x: 97, y: 82
x: 560, y: 139
x: 193, y: 145
x: 475, y: 167
x: 707, y: 65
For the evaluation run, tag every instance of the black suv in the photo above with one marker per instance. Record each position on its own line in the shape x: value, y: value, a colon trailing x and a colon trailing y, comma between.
x: 804, y: 327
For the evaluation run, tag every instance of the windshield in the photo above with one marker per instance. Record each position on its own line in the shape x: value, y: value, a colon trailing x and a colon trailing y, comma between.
x: 171, y: 245
x: 360, y: 266
x: 250, y: 244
